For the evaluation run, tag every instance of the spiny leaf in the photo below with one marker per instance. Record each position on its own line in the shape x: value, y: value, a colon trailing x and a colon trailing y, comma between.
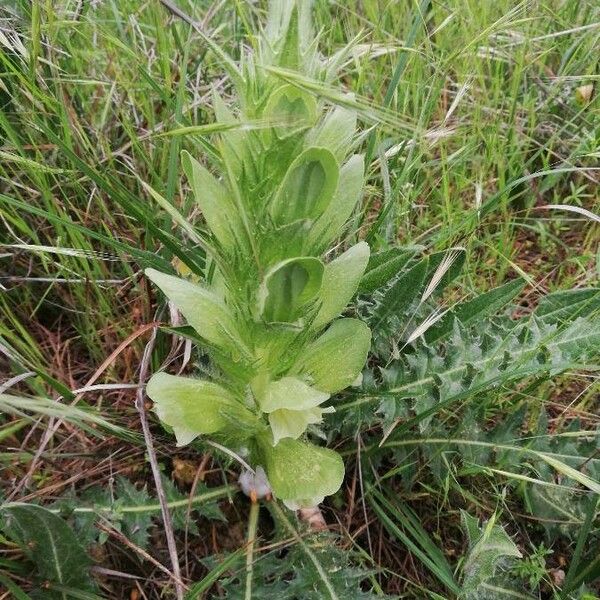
x: 482, y: 305
x: 568, y: 304
x: 294, y: 575
x: 487, y: 358
x: 401, y: 293
x: 135, y: 525
x: 51, y: 545
x: 384, y: 266
x: 490, y: 550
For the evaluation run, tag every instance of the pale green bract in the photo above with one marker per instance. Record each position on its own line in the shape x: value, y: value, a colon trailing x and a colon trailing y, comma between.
x: 340, y: 280
x: 193, y: 406
x: 292, y: 405
x: 282, y: 187
x: 335, y: 359
x: 299, y: 471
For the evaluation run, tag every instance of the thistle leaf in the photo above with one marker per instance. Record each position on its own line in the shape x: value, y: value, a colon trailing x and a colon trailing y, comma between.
x: 473, y: 361
x: 335, y: 359
x: 383, y: 266
x: 482, y: 305
x: 318, y: 568
x: 340, y: 282
x: 298, y: 470
x: 566, y: 305
x: 401, y: 294
x: 204, y: 310
x: 490, y: 551
x: 193, y: 407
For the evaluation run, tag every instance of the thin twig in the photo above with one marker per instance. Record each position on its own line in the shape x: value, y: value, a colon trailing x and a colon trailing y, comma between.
x: 200, y: 472
x: 54, y: 424
x: 108, y: 529
x: 160, y: 492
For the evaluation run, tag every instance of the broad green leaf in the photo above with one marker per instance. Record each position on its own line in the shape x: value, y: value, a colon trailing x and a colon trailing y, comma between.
x: 335, y: 132
x: 56, y: 552
x: 340, y: 282
x: 203, y: 309
x: 339, y: 211
x: 308, y: 187
x: 290, y: 109
x: 335, y: 359
x: 298, y: 470
x: 192, y: 406
x: 287, y: 287
x: 291, y: 393
x: 383, y: 266
x: 215, y: 202
x: 485, y: 304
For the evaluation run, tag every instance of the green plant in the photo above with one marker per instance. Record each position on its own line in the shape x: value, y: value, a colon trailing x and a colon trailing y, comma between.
x: 490, y: 554
x: 482, y: 128
x: 533, y: 567
x: 267, y: 310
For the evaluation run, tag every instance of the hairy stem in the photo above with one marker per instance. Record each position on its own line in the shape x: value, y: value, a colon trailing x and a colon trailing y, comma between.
x: 252, y: 524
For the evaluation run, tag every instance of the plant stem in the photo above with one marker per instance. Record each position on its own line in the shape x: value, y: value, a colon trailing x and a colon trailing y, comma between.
x: 252, y: 524
x: 309, y: 553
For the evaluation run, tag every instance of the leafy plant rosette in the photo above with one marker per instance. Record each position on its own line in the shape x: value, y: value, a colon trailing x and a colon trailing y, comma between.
x: 282, y: 186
